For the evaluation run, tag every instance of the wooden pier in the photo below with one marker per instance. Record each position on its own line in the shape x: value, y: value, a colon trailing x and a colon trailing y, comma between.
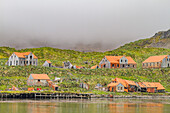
x: 44, y: 95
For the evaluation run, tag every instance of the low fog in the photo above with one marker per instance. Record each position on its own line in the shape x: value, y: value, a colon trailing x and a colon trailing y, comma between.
x: 98, y: 25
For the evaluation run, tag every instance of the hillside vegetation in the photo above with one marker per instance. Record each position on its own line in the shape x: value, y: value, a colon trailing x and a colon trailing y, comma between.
x: 138, y: 50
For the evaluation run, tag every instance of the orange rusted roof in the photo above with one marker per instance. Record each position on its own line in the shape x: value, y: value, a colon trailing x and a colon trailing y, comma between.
x: 40, y: 76
x: 141, y: 84
x: 115, y: 59
x: 159, y: 86
x: 130, y: 82
x: 130, y: 60
x: 149, y: 84
x: 22, y: 55
x: 79, y: 67
x: 48, y: 61
x: 94, y: 67
x: 112, y: 84
x: 119, y: 80
x: 155, y: 58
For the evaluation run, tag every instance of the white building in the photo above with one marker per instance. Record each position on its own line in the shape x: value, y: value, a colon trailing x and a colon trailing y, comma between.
x: 22, y: 59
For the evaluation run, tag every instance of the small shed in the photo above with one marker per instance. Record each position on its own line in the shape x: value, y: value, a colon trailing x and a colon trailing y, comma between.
x: 78, y: 67
x: 57, y: 79
x: 95, y: 67
x: 67, y: 65
x: 55, y: 87
x: 38, y: 80
x: 47, y: 63
x: 31, y: 89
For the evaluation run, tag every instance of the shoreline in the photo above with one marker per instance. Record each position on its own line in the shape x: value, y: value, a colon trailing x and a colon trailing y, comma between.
x: 42, y: 95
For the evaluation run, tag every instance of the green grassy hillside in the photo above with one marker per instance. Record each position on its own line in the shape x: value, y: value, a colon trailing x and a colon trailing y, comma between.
x: 138, y: 50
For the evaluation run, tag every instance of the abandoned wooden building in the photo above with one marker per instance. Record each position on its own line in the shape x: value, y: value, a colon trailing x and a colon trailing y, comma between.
x: 161, y: 61
x: 38, y: 80
x: 22, y: 59
x: 117, y: 62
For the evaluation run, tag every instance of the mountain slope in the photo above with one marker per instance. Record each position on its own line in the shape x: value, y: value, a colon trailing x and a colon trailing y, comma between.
x: 138, y: 50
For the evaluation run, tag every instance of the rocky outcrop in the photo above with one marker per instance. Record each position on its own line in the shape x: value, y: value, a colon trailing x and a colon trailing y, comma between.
x: 163, y: 34
x: 160, y: 40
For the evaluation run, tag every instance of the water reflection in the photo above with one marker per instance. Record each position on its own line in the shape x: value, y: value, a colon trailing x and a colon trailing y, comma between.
x: 136, y: 108
x: 85, y: 106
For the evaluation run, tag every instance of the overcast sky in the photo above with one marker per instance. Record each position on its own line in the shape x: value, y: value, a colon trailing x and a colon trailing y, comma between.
x: 102, y: 24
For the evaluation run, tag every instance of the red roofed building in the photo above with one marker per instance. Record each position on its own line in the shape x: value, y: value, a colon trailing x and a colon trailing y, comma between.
x: 157, y: 62
x: 22, y: 59
x: 129, y: 86
x: 38, y: 80
x: 151, y: 87
x: 117, y: 62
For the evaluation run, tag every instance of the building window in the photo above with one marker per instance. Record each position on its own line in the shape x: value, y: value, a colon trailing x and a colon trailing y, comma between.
x: 16, y: 62
x: 38, y: 80
x: 128, y: 65
x: 157, y: 63
x: 150, y: 64
x: 30, y: 57
x: 26, y: 57
x: 10, y: 63
x: 146, y: 64
x: 11, y: 57
x: 133, y: 65
x: 125, y: 60
x: 27, y: 62
x: 121, y: 61
x: 154, y: 64
x: 113, y: 65
x: 117, y: 65
x: 143, y: 64
x: 121, y: 88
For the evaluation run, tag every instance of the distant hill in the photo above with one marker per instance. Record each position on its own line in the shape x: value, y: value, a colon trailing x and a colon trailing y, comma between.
x: 159, y: 40
x: 139, y: 50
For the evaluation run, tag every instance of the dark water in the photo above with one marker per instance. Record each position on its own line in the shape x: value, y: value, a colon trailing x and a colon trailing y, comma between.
x: 86, y: 106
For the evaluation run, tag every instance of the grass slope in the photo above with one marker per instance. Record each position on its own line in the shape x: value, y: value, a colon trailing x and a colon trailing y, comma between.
x: 137, y: 50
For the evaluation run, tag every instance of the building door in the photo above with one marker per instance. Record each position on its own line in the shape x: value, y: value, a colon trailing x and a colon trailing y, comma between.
x: 123, y: 65
x: 168, y: 65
